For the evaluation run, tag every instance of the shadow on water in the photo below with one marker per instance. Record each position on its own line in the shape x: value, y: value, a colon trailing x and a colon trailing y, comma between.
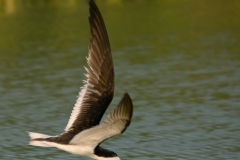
x: 179, y: 60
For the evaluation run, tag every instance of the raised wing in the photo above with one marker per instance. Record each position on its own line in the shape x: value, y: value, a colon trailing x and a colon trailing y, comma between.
x: 97, y: 93
x: 115, y: 124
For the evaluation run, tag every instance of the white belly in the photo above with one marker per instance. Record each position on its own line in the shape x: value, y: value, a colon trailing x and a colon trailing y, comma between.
x: 74, y: 149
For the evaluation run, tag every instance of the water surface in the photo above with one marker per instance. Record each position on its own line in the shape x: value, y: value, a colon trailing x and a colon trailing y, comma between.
x: 179, y: 61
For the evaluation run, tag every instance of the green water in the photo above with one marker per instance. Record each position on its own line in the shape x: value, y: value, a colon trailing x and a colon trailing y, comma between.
x: 179, y: 61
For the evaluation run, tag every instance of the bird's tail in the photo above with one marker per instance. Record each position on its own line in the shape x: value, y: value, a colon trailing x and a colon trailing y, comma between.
x: 37, y: 139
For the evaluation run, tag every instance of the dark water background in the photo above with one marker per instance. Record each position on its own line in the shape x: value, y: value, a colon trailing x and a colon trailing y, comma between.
x: 179, y: 60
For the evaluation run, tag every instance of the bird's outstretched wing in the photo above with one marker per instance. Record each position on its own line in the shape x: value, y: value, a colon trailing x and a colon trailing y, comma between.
x: 97, y: 93
x: 116, y: 123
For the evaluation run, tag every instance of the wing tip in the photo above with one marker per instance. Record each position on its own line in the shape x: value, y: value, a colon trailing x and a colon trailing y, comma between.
x: 124, y: 110
x: 127, y: 106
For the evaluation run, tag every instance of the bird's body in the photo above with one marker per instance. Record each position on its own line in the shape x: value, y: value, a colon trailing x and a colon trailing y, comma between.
x: 84, y: 133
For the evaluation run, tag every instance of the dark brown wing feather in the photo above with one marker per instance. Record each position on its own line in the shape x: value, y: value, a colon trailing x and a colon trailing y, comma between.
x: 97, y: 93
x: 99, y: 86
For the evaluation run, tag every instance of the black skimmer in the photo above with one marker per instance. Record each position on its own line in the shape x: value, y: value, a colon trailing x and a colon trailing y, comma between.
x: 84, y: 133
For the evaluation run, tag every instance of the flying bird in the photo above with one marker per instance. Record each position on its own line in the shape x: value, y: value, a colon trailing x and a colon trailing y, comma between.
x: 84, y: 133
